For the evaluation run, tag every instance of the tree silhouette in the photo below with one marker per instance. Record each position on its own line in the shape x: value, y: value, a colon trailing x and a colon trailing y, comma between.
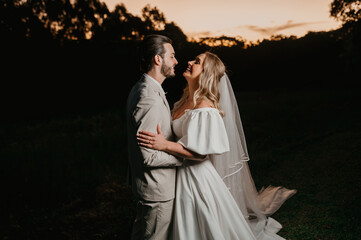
x: 76, y: 41
x: 174, y: 32
x: 71, y: 20
x: 122, y: 25
x: 153, y: 18
x: 349, y: 12
x: 223, y: 41
x: 346, y: 10
x: 64, y: 19
x: 18, y: 22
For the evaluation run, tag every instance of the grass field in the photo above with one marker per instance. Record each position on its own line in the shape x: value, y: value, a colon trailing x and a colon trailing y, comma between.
x: 65, y: 178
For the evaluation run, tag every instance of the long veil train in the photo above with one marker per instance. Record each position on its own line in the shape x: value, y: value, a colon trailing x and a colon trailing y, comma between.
x: 233, y: 168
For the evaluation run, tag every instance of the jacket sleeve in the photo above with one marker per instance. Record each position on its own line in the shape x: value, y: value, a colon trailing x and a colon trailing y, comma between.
x: 147, y: 115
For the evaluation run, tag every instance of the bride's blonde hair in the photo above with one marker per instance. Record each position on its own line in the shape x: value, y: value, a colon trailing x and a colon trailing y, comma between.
x: 213, y: 70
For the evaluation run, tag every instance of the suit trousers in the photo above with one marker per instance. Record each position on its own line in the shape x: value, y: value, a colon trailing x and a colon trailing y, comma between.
x: 153, y: 220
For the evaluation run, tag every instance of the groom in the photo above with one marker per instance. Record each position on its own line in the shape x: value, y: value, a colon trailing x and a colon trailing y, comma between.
x: 153, y: 173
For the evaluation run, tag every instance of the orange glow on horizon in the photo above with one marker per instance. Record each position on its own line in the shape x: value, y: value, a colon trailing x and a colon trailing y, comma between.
x: 246, y: 19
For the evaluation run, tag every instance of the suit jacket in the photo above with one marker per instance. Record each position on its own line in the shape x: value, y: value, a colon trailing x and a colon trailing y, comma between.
x: 153, y: 173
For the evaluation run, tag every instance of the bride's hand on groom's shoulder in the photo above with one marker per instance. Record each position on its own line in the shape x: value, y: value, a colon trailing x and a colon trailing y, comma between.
x: 155, y: 141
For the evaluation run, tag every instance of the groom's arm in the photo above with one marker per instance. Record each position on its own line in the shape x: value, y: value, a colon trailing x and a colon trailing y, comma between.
x: 146, y: 116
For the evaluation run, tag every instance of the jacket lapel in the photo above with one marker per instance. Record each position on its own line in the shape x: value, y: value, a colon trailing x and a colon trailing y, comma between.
x: 162, y: 95
x: 157, y: 89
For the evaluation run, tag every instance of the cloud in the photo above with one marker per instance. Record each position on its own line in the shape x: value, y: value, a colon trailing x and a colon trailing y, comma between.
x: 254, y: 33
x: 206, y: 33
x: 269, y: 31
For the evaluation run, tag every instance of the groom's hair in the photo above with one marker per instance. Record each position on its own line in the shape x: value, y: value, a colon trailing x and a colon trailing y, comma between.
x: 152, y: 45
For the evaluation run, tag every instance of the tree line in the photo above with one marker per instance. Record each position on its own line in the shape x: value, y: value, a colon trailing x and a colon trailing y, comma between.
x: 66, y: 56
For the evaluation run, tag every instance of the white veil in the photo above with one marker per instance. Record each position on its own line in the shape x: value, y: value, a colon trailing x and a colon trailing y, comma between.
x: 233, y: 168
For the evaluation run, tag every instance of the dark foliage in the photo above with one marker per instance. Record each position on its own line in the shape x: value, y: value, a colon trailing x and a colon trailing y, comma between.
x: 65, y: 57
x: 346, y: 10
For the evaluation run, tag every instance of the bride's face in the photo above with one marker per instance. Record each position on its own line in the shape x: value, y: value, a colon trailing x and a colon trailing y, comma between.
x: 194, y: 68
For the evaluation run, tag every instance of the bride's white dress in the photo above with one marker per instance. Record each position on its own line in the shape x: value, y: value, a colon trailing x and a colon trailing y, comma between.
x: 204, y: 207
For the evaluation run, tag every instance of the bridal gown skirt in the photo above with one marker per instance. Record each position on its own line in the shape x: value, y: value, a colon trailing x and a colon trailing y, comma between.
x: 204, y: 207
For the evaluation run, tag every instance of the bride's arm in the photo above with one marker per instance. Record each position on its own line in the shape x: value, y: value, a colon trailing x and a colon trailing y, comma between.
x: 158, y: 142
x: 179, y: 150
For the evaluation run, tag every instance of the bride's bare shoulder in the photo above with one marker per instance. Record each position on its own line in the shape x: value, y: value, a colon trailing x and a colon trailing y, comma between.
x: 204, y: 104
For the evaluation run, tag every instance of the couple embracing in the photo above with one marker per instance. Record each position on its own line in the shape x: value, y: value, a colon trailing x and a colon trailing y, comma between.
x: 189, y: 165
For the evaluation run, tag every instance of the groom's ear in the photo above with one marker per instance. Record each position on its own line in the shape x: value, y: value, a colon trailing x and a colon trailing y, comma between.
x: 158, y: 60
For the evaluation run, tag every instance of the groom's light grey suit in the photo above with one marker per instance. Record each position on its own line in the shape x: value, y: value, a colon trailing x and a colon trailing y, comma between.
x: 153, y: 173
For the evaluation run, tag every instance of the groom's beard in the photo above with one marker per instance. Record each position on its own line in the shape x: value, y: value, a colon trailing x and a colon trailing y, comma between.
x: 167, y: 71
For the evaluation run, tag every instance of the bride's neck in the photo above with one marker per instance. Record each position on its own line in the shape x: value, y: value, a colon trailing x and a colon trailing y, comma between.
x: 192, y: 90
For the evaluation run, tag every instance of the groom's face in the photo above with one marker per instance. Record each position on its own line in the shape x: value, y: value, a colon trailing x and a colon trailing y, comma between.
x: 169, y: 61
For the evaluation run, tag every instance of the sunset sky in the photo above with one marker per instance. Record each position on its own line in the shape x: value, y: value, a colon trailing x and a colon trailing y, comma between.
x: 251, y: 19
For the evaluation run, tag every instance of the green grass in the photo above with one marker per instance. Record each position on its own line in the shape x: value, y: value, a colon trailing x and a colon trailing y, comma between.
x: 309, y: 141
x: 64, y: 178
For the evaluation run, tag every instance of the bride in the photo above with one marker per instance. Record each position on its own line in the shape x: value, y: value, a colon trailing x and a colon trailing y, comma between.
x: 216, y: 197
